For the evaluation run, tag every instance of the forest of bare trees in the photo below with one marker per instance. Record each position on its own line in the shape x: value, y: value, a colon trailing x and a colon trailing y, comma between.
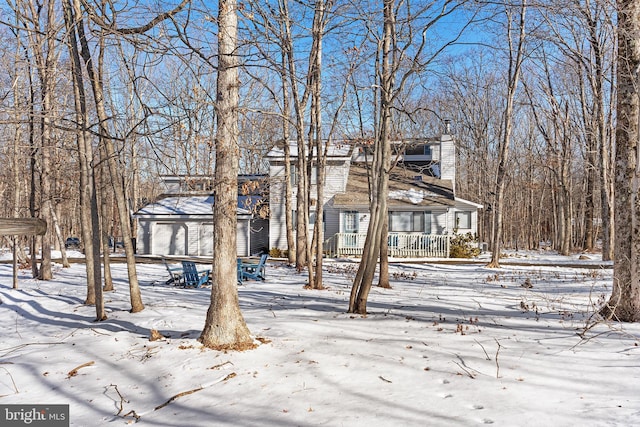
x: 101, y: 98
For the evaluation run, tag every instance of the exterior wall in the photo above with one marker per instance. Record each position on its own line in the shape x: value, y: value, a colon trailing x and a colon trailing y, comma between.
x: 277, y: 223
x: 336, y: 182
x: 179, y: 236
x: 464, y: 207
x: 447, y: 156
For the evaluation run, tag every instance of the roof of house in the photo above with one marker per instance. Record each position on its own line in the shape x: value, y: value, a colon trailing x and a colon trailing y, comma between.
x: 336, y: 150
x: 193, y: 205
x: 406, y: 188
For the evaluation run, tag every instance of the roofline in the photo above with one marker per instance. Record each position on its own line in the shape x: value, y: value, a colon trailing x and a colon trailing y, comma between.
x: 476, y: 205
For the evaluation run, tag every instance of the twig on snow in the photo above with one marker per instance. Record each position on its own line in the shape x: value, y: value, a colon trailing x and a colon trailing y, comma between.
x: 15, y: 387
x: 74, y: 371
x: 483, y: 349
x: 497, y: 364
x: 184, y: 393
x: 122, y: 399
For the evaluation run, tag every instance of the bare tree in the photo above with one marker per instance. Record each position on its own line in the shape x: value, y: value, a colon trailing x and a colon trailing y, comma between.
x: 401, y: 57
x: 88, y: 194
x: 516, y: 57
x: 225, y: 327
x: 624, y: 304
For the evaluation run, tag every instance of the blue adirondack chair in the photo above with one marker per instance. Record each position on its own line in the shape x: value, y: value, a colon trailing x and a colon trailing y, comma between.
x: 175, y: 273
x: 239, y: 263
x: 254, y: 271
x: 191, y: 277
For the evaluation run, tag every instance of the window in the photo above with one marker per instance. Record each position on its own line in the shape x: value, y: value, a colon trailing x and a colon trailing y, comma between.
x: 351, y: 221
x: 418, y: 150
x: 294, y: 175
x: 463, y: 220
x: 406, y: 221
x: 427, y: 222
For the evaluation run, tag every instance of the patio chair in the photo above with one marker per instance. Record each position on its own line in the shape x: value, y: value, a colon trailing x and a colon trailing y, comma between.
x: 192, y: 278
x: 239, y: 274
x: 254, y: 271
x: 175, y: 273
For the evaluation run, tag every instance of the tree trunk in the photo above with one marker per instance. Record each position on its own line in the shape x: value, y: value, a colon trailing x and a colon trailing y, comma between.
x: 225, y: 327
x: 383, y: 278
x: 104, y: 226
x: 380, y: 172
x: 288, y: 203
x: 624, y: 304
x: 94, y: 73
x: 88, y: 196
x: 515, y: 64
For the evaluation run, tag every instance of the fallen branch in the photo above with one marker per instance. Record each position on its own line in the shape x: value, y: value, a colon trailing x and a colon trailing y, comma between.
x: 74, y: 371
x: 497, y: 365
x: 483, y: 349
x: 15, y: 387
x: 122, y: 399
x: 469, y: 374
x: 184, y: 393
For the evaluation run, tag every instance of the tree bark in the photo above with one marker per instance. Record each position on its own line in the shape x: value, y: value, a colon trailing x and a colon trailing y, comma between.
x: 225, y: 327
x: 624, y: 304
x: 380, y: 172
x: 515, y: 63
x: 94, y: 72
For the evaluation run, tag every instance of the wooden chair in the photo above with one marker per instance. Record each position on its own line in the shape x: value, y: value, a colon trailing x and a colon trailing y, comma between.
x: 175, y: 273
x: 192, y: 278
x: 253, y: 271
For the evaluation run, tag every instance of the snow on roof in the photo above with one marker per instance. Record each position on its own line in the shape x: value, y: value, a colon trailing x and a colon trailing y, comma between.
x: 337, y: 149
x: 405, y: 187
x: 193, y: 205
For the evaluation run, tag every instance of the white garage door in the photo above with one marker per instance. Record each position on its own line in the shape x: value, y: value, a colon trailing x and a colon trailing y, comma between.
x: 206, y: 239
x: 170, y: 239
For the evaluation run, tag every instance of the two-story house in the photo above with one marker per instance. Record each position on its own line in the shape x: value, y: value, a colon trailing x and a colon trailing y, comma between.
x: 423, y: 210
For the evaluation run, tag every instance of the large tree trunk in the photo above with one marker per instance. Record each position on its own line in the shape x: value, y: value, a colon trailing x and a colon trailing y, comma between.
x: 225, y: 327
x: 624, y: 304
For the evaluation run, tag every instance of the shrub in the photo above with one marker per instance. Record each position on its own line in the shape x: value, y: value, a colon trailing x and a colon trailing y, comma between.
x: 464, y: 246
x: 278, y: 253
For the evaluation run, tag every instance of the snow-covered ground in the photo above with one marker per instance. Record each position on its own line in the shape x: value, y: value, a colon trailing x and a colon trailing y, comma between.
x: 448, y: 345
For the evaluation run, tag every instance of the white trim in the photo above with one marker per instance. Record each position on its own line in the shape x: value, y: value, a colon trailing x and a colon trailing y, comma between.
x: 475, y: 205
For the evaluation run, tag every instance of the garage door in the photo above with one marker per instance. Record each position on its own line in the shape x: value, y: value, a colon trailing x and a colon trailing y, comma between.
x: 170, y: 239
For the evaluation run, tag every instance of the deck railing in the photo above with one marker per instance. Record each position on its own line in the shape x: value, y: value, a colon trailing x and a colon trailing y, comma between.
x: 400, y: 245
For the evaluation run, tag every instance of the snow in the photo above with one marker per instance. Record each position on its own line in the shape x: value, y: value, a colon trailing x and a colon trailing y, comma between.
x: 448, y: 345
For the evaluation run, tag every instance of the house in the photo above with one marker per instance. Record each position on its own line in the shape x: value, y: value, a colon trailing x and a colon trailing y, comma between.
x: 423, y: 210
x: 180, y: 222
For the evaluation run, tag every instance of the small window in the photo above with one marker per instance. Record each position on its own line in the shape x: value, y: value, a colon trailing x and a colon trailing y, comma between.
x: 463, y: 220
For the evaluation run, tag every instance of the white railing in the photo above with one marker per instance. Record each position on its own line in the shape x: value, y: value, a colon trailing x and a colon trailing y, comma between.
x: 400, y: 245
